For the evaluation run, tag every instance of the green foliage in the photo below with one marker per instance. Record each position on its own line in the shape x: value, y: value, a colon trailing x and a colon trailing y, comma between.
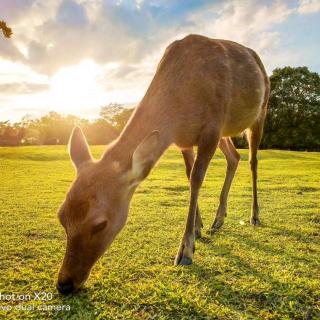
x: 108, y: 112
x: 54, y: 128
x: 116, y: 114
x: 11, y: 135
x: 7, y: 32
x: 99, y: 131
x: 294, y: 110
x: 241, y: 272
x: 122, y: 118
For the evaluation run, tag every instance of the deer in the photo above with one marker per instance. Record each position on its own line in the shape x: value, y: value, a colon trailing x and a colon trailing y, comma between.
x: 204, y: 92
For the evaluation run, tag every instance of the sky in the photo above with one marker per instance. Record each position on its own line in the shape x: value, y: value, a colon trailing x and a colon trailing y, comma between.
x: 74, y: 56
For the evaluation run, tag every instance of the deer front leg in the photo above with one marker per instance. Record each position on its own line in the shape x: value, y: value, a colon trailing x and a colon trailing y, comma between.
x: 188, y: 156
x: 206, y: 148
x: 187, y: 245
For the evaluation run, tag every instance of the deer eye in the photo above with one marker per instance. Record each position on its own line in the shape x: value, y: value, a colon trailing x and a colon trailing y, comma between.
x: 99, y: 227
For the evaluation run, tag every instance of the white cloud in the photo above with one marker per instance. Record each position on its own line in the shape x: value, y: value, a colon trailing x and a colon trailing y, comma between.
x: 308, y: 6
x: 22, y: 88
x: 124, y: 43
x: 248, y: 22
x: 47, y: 40
x: 53, y: 34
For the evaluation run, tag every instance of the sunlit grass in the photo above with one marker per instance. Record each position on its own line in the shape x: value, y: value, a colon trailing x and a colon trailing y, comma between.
x: 242, y: 272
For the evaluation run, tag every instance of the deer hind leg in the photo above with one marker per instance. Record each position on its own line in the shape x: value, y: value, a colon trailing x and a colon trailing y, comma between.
x: 254, y: 135
x: 232, y: 156
x: 188, y: 156
x: 206, y: 148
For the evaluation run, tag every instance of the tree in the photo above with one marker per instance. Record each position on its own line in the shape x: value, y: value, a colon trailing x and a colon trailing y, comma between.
x: 122, y: 118
x: 294, y: 110
x: 11, y: 134
x: 108, y: 112
x: 7, y: 32
x: 116, y: 114
x: 99, y: 131
x: 54, y: 128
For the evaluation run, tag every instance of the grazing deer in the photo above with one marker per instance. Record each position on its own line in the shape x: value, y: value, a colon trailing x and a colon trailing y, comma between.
x: 204, y: 91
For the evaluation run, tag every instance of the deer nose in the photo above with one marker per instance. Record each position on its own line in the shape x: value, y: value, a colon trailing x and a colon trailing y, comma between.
x: 65, y: 287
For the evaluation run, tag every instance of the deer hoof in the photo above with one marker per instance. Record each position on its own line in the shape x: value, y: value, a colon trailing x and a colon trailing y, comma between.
x: 216, y: 226
x: 184, y: 261
x: 255, y: 221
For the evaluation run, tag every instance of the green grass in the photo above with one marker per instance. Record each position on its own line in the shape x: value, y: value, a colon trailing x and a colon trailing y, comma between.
x: 271, y: 272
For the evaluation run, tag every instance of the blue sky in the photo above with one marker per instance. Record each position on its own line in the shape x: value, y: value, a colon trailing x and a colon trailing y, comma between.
x: 73, y: 56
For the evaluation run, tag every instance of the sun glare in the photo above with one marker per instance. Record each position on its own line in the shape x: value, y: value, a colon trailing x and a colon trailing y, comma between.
x: 75, y: 87
x: 79, y: 89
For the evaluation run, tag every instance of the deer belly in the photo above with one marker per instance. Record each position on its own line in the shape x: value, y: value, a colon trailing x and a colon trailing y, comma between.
x: 187, y: 135
x: 243, y: 112
x: 241, y: 118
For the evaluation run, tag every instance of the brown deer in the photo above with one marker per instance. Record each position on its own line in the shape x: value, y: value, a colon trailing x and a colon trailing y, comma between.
x: 204, y: 91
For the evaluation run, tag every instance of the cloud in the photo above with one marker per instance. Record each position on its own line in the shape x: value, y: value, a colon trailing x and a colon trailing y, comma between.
x: 249, y: 22
x: 9, y: 51
x: 71, y: 14
x: 308, y: 6
x: 126, y: 39
x: 13, y: 10
x: 22, y: 88
x: 52, y: 34
x: 80, y: 31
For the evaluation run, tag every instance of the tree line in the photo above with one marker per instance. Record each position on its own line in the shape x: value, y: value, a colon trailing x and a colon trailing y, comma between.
x: 293, y: 119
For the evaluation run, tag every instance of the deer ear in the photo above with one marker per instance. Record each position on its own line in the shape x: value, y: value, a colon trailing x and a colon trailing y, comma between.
x: 78, y: 148
x: 145, y: 156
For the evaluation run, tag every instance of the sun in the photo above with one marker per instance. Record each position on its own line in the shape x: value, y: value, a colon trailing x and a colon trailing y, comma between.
x: 75, y: 87
x: 80, y: 89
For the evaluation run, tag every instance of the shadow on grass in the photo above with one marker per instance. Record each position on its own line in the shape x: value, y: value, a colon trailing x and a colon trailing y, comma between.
x: 260, y: 290
x: 269, y: 293
x: 265, y: 248
x: 299, y: 236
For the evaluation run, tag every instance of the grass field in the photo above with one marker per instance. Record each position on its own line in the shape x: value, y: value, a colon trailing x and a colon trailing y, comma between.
x: 270, y: 272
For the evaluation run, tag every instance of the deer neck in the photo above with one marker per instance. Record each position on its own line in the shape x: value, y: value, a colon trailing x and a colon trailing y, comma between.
x: 145, y: 119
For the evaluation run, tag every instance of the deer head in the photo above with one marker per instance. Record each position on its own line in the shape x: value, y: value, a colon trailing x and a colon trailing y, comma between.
x: 96, y: 206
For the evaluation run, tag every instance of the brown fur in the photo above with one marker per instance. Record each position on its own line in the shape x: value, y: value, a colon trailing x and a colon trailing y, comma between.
x: 203, y: 92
